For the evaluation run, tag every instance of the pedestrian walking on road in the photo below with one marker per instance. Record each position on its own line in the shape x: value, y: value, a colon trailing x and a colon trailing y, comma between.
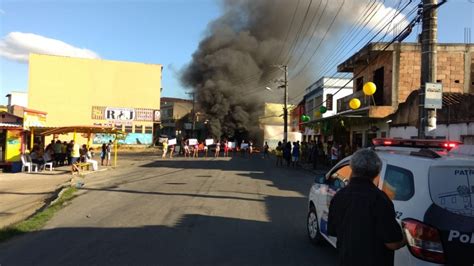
x: 165, y: 149
x: 287, y: 153
x: 295, y: 155
x: 187, y: 153
x: 226, y: 149
x: 279, y: 154
x: 103, y: 154
x: 109, y: 152
x: 171, y: 151
x: 206, y: 150
x: 218, y: 149
x: 265, y: 150
x: 196, y: 151
x: 362, y: 217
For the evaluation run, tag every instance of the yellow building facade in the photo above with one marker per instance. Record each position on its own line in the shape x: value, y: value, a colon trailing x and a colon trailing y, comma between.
x: 272, y: 125
x: 76, y: 91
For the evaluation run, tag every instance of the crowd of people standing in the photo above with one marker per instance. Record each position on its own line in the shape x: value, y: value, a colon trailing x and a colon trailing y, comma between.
x: 287, y: 153
x: 198, y: 149
x: 312, y: 152
x: 62, y: 153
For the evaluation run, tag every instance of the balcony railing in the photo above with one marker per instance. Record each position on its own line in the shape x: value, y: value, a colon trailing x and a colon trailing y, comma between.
x: 378, y: 111
x: 343, y: 103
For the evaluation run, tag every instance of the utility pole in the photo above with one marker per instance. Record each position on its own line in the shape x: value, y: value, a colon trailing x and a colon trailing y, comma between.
x: 193, y: 112
x: 285, y: 108
x: 429, y: 39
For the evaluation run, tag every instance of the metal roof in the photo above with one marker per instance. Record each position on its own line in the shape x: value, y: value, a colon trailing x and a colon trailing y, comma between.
x: 10, y: 125
x: 82, y: 129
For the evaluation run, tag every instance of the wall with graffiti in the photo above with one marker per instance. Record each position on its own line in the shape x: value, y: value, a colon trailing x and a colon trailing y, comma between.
x: 129, y: 139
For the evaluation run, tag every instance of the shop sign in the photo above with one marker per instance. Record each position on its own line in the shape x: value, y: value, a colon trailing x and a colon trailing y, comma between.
x: 124, y: 114
x: 119, y: 114
x: 33, y: 120
x: 157, y: 116
x: 433, y: 95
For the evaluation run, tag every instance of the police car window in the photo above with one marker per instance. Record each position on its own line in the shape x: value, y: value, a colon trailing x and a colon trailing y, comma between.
x: 452, y: 188
x: 398, y: 183
x: 343, y: 173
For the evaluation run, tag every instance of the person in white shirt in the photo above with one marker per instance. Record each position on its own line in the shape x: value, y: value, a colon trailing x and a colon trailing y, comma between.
x: 95, y: 164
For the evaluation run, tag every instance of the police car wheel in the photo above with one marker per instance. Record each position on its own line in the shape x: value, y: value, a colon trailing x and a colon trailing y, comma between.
x: 313, y: 227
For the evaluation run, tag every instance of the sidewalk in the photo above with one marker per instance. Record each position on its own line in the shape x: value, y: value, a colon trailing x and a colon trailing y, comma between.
x: 22, y: 194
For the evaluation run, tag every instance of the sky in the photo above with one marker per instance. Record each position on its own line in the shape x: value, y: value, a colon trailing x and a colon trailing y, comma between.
x: 159, y: 32
x: 163, y: 32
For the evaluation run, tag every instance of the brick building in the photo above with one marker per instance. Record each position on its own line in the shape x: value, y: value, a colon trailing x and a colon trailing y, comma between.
x: 454, y: 120
x: 172, y: 111
x: 396, y: 73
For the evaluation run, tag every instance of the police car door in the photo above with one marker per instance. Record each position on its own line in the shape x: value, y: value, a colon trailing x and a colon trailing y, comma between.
x: 336, y: 179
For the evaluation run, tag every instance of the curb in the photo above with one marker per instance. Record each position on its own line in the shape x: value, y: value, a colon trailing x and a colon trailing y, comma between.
x: 56, y: 195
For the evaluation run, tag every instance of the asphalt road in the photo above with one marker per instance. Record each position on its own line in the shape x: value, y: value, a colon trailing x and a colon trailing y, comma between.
x: 237, y: 211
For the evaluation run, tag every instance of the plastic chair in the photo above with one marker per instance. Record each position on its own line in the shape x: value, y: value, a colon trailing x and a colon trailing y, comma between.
x: 27, y: 163
x: 50, y: 165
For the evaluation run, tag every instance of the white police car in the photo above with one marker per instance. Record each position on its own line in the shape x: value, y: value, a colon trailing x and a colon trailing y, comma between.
x: 433, y: 195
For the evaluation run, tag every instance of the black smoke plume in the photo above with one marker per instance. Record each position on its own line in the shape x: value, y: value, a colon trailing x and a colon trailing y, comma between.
x: 238, y: 55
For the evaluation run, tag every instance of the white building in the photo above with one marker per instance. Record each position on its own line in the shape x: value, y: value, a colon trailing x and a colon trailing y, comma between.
x: 325, y: 92
x: 17, y: 98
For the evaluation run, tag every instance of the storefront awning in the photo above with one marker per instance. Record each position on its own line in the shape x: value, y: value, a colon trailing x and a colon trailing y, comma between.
x: 10, y: 126
x: 81, y: 129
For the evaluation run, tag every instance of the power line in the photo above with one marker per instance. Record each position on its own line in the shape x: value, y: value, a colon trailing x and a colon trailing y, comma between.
x: 396, y: 38
x: 327, y: 69
x: 266, y: 82
x: 381, y: 30
x: 324, y: 37
x: 288, y: 31
x: 366, y: 21
x: 354, y: 31
x: 314, y: 31
x: 298, y: 33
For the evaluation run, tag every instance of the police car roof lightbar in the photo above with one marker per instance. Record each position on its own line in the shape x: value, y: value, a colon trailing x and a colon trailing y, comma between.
x: 416, y: 143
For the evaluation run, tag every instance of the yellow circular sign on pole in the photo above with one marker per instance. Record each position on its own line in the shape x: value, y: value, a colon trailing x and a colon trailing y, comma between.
x: 369, y: 88
x: 354, y: 103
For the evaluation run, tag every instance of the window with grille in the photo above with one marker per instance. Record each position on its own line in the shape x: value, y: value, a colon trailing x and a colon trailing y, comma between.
x: 329, y: 102
x: 148, y: 130
x: 359, y: 83
x: 138, y: 129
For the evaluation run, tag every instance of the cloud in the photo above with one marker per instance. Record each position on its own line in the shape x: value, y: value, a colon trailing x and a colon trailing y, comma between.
x: 18, y: 45
x: 384, y: 16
